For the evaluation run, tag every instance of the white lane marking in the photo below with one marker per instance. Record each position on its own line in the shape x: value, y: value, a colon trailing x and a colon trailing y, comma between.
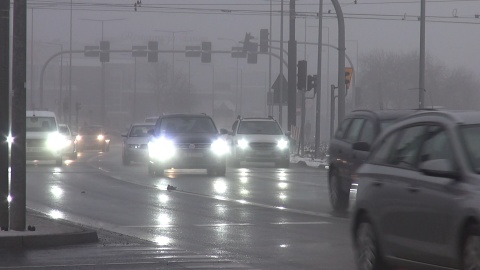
x: 232, y: 224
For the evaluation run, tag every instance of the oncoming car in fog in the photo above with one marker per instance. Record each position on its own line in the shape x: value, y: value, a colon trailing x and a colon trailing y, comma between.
x: 187, y: 141
x: 418, y: 195
x: 92, y: 138
x: 70, y: 149
x: 135, y: 143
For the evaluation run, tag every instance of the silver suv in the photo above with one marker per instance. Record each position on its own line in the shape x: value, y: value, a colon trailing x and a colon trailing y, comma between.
x: 259, y: 140
x: 418, y: 195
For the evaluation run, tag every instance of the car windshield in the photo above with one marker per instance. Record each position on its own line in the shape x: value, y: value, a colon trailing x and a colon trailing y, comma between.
x: 187, y: 125
x: 259, y: 127
x: 386, y: 123
x: 41, y: 124
x: 140, y: 131
x: 470, y: 135
x: 90, y: 130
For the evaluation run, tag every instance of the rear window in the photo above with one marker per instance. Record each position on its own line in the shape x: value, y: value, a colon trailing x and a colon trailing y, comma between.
x: 140, y: 131
x: 90, y: 130
x: 186, y: 125
x: 41, y: 124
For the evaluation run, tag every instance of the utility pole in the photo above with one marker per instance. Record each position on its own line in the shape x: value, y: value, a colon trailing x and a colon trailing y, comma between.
x: 280, y: 106
x: 4, y: 110
x: 341, y: 61
x: 19, y: 69
x: 292, y: 70
x: 421, y: 84
x: 318, y: 83
x: 69, y: 102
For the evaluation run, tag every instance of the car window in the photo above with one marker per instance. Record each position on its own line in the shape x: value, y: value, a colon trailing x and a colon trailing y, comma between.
x: 140, y: 131
x: 382, y: 150
x: 436, y: 145
x: 63, y: 130
x: 259, y: 127
x: 368, y: 132
x: 470, y: 135
x: 354, y: 129
x: 187, y: 125
x: 90, y: 130
x: 40, y: 124
x: 404, y: 153
x: 341, y: 130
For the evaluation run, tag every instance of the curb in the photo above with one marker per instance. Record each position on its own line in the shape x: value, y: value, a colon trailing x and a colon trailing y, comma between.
x: 48, y: 240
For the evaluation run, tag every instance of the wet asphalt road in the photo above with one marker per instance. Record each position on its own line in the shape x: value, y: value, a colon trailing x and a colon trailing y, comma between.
x: 259, y: 217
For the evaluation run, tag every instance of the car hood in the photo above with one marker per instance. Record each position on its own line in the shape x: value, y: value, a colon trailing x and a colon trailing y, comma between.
x: 137, y: 140
x: 191, y: 138
x: 260, y: 137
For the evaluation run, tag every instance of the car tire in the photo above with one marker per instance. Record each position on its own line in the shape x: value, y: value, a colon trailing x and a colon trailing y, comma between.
x: 470, y: 253
x: 59, y: 161
x: 368, y: 255
x: 339, y: 199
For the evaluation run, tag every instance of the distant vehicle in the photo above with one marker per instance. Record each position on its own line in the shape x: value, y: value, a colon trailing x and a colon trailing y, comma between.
x: 417, y: 200
x: 70, y: 149
x: 92, y: 138
x: 135, y: 143
x: 187, y: 141
x: 43, y: 141
x: 151, y: 119
x: 357, y: 131
x: 260, y: 140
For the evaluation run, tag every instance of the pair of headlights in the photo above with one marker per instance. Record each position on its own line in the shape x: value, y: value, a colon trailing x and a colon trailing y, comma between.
x: 100, y: 137
x: 282, y: 144
x: 164, y: 148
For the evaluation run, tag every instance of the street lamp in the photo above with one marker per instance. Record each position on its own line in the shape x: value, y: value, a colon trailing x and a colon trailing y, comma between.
x: 189, y: 84
x: 61, y: 79
x: 173, y: 48
x: 102, y: 119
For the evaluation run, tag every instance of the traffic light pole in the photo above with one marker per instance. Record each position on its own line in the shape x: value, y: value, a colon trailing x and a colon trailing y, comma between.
x: 292, y: 71
x: 318, y: 83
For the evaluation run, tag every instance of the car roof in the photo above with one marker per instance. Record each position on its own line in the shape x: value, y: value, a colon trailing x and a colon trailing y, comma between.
x: 467, y: 117
x: 184, y: 115
x: 258, y: 119
x: 143, y: 124
x: 40, y: 113
x: 384, y: 114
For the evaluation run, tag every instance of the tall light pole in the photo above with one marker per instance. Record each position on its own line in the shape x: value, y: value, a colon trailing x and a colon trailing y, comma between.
x: 213, y: 90
x: 70, y: 68
x: 189, y: 83
x: 421, y: 83
x: 354, y: 74
x: 61, y: 78
x: 102, y: 99
x: 236, y: 77
x: 280, y: 106
x: 173, y: 48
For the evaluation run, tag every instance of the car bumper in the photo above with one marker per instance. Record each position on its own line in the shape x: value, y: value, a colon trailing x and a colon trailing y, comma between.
x: 190, y: 160
x: 41, y: 154
x: 262, y: 155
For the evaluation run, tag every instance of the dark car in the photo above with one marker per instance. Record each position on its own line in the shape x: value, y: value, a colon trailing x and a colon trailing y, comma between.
x: 418, y: 195
x: 92, y: 138
x: 187, y: 141
x: 356, y: 132
x: 135, y: 143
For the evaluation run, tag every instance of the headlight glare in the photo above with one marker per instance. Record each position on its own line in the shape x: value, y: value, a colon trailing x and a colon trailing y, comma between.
x: 100, y: 137
x: 56, y: 141
x: 220, y: 147
x: 161, y: 148
x: 282, y: 144
x: 242, y: 143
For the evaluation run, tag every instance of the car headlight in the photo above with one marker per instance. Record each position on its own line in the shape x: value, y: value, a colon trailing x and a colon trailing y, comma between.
x: 161, y: 148
x: 56, y: 141
x: 282, y: 144
x: 220, y: 147
x: 100, y: 137
x: 78, y: 138
x: 242, y: 143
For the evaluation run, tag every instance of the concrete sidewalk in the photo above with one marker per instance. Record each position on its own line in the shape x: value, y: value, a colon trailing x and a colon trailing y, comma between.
x: 49, y: 232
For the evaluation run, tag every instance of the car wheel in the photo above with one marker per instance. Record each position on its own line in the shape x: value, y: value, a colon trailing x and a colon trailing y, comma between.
x: 367, y: 250
x: 338, y: 197
x: 471, y: 249
x: 59, y: 161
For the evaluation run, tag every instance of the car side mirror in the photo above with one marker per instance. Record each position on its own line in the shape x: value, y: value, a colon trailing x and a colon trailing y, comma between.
x: 125, y: 135
x: 438, y: 168
x: 361, y: 146
x: 223, y: 131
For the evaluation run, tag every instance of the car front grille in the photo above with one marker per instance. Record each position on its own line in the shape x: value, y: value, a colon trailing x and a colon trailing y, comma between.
x: 193, y: 145
x: 262, y: 145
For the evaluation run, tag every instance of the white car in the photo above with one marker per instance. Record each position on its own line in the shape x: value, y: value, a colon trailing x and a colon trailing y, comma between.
x: 135, y: 143
x: 70, y: 149
x: 259, y: 140
x: 43, y: 140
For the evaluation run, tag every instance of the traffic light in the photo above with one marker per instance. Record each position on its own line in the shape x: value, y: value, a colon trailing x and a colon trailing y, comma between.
x: 152, y: 52
x: 302, y: 75
x: 348, y: 77
x: 104, y: 51
x: 252, y: 53
x: 311, y: 82
x: 206, y: 52
x: 263, y: 40
x: 246, y: 42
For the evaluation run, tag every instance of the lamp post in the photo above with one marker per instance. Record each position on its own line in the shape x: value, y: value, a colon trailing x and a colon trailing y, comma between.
x: 102, y: 99
x: 356, y: 72
x: 236, y: 77
x: 189, y: 84
x: 173, y: 48
x: 60, y: 92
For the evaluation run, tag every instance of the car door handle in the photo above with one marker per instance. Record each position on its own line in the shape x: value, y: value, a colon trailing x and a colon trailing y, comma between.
x: 413, y: 189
